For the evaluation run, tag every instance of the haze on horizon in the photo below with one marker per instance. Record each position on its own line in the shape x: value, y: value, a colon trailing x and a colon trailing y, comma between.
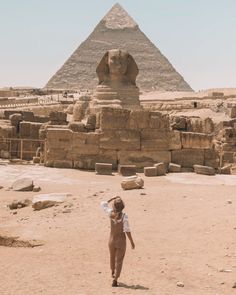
x: 197, y: 37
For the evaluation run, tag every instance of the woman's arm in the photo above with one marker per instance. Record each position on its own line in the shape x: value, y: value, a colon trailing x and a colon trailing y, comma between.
x: 130, y: 239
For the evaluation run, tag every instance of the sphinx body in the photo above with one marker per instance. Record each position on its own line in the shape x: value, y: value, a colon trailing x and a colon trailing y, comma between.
x: 117, y: 74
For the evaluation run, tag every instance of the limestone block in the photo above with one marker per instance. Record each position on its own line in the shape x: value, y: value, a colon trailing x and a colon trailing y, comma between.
x: 143, y: 158
x: 24, y: 130
x: 127, y: 170
x: 192, y: 140
x: 226, y: 169
x: 56, y: 154
x: 36, y: 160
x: 178, y: 123
x: 58, y: 117
x: 174, y: 140
x: 85, y: 144
x: 132, y: 182
x: 28, y: 116
x: 211, y: 158
x: 229, y: 135
x: 154, y: 139
x: 150, y: 171
x: 34, y: 130
x: 7, y: 131
x: 103, y: 168
x: 77, y: 127
x: 174, y: 168
x: 59, y: 137
x: 112, y: 118
x: 120, y: 140
x: 188, y: 157
x: 139, y: 119
x: 88, y: 161
x: 15, y: 119
x: 228, y: 157
x: 43, y: 201
x: 205, y: 170
x: 159, y: 121
x: 23, y: 185
x: 229, y: 147
x: 161, y: 168
x: 199, y: 125
x: 63, y: 164
x: 232, y: 112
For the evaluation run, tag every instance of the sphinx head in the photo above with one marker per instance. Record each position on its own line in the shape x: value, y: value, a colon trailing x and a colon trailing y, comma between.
x: 117, y: 65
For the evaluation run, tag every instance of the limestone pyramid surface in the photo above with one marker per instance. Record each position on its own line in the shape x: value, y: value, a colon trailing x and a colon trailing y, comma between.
x: 118, y: 30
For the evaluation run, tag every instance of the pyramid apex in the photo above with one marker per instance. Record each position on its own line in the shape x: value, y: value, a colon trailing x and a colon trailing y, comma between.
x: 118, y: 18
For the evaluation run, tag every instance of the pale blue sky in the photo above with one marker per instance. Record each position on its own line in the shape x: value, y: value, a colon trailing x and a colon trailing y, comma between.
x: 197, y: 36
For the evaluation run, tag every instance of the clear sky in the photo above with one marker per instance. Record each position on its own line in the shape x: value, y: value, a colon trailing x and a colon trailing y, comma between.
x: 197, y: 36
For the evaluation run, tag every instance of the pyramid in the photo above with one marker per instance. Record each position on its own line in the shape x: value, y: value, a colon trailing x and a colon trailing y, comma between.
x: 118, y: 30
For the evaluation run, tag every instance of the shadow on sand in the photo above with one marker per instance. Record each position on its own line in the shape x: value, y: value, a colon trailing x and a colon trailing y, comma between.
x: 134, y: 287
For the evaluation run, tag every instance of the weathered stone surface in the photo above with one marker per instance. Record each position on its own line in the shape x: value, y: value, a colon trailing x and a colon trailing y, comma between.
x: 77, y: 127
x: 44, y: 201
x: 59, y: 137
x: 199, y: 125
x: 111, y: 118
x: 211, y: 158
x: 174, y: 168
x: 143, y: 159
x: 79, y: 109
x: 19, y: 204
x: 206, y: 170
x: 24, y: 129
x: 16, y: 119
x: 127, y: 170
x: 178, y: 123
x: 132, y: 182
x: 196, y: 140
x: 36, y: 160
x: 103, y: 168
x: 58, y: 118
x: 120, y: 140
x: 159, y: 121
x: 88, y: 161
x: 226, y: 169
x: 153, y: 139
x: 161, y: 168
x: 174, y: 140
x: 150, y: 171
x: 63, y: 164
x: 85, y: 144
x: 139, y: 119
x: 23, y: 185
x: 188, y: 157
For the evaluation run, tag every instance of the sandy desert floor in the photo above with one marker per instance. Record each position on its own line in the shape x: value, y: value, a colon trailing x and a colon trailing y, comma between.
x: 184, y: 227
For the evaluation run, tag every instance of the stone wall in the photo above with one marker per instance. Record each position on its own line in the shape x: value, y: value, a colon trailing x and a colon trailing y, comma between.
x: 139, y: 137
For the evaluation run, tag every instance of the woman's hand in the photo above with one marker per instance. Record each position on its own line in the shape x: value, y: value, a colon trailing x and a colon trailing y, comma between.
x: 132, y: 245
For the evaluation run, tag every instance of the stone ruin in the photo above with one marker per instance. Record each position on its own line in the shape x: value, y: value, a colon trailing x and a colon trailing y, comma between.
x: 113, y: 127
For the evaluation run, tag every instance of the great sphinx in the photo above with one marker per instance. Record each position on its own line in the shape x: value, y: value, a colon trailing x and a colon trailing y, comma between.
x: 117, y: 73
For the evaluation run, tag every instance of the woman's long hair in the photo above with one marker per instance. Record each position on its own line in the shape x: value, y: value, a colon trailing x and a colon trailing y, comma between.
x: 118, y: 206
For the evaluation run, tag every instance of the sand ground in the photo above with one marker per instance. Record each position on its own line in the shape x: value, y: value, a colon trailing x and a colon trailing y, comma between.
x: 183, y: 225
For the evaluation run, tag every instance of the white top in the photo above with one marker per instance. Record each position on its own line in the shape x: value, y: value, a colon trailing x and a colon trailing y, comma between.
x: 108, y: 211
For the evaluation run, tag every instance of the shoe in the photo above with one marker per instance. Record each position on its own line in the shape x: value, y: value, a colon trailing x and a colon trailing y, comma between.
x: 114, y: 283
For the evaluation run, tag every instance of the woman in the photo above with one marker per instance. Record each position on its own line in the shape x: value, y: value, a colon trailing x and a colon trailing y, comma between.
x: 119, y: 229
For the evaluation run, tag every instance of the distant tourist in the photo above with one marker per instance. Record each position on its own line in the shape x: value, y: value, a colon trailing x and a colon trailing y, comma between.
x: 119, y: 229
